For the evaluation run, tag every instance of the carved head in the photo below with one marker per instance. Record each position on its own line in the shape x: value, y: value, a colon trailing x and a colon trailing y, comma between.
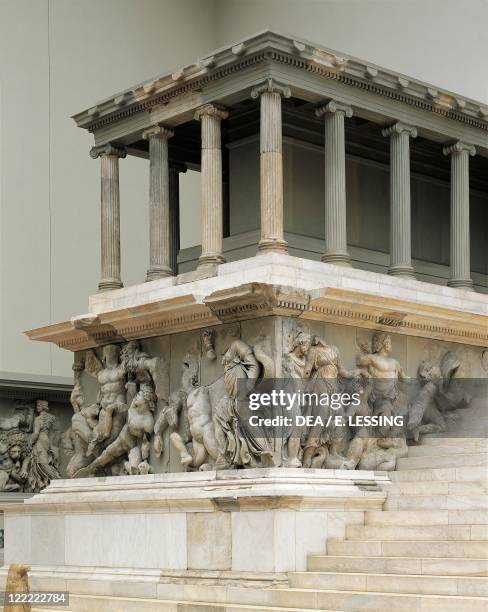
x: 428, y: 372
x: 381, y: 342
x: 110, y: 355
x: 300, y: 342
x: 15, y: 453
x: 42, y: 406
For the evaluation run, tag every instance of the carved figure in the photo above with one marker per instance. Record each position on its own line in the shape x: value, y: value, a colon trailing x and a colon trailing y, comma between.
x: 208, y: 341
x: 18, y: 582
x: 439, y: 398
x: 133, y: 439
x: 41, y: 465
x: 111, y: 402
x: 324, y: 364
x: 175, y: 413
x: 386, y: 372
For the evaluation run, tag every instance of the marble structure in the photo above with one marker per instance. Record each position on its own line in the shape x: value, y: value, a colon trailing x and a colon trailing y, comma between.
x: 168, y: 485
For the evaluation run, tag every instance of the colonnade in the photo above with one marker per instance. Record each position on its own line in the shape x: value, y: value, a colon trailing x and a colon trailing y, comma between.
x: 163, y: 193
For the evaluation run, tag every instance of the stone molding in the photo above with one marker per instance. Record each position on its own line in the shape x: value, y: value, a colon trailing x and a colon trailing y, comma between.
x: 399, y: 128
x: 108, y: 149
x: 157, y: 131
x: 212, y: 110
x: 225, y: 490
x: 459, y: 147
x: 270, y: 86
x: 303, y: 55
x: 334, y: 106
x: 253, y: 300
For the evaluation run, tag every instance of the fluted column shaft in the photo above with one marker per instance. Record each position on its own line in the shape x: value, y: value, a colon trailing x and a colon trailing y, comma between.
x: 210, y: 117
x: 271, y: 165
x: 335, y: 183
x: 400, y: 202
x: 159, y: 203
x: 110, y: 215
x: 460, y: 245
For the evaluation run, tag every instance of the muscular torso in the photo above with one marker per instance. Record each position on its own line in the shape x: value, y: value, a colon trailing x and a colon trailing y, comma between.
x: 112, y: 386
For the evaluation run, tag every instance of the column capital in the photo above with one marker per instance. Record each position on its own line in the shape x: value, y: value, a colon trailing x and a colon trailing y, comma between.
x: 459, y: 147
x: 157, y: 131
x: 108, y: 149
x: 270, y: 86
x: 334, y: 107
x: 400, y: 128
x: 211, y: 110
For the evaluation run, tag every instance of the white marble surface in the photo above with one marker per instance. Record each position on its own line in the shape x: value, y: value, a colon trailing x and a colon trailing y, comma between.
x: 265, y: 521
x: 280, y: 269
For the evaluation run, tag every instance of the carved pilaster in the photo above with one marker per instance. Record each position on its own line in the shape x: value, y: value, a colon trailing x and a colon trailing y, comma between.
x: 400, y: 207
x: 271, y: 161
x: 460, y: 248
x: 110, y: 215
x: 210, y: 117
x: 335, y: 182
x: 159, y: 203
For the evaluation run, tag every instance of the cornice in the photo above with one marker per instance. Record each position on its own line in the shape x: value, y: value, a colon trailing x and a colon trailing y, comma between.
x: 15, y: 387
x: 256, y: 300
x: 303, y: 55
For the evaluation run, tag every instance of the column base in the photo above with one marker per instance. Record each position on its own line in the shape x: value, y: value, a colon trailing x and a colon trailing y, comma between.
x: 210, y: 260
x: 158, y: 272
x: 404, y: 271
x: 338, y: 259
x: 109, y: 284
x: 272, y: 245
x: 461, y: 283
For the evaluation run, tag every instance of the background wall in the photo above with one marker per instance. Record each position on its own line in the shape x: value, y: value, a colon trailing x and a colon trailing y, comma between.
x: 58, y: 57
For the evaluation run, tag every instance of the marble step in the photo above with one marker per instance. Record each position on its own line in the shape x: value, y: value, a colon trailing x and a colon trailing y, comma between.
x: 476, y: 549
x: 436, y: 440
x: 437, y: 461
x: 437, y: 487
x: 440, y: 502
x: 453, y: 474
x: 323, y: 600
x: 447, y: 449
x: 118, y: 604
x: 399, y: 565
x: 426, y: 517
x: 417, y: 532
x: 391, y: 583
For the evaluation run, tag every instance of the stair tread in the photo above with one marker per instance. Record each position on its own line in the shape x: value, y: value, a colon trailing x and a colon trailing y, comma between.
x: 383, y: 575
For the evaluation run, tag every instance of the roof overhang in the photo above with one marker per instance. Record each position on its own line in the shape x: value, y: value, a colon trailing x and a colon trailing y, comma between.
x: 312, y: 72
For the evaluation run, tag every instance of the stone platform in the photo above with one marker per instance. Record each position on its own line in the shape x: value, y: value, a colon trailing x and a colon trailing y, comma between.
x: 264, y: 521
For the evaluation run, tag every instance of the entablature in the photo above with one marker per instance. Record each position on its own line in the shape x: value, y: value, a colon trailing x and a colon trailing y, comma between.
x: 312, y: 72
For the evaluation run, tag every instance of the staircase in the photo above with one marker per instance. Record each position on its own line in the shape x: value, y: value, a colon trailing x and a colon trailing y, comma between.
x: 427, y: 550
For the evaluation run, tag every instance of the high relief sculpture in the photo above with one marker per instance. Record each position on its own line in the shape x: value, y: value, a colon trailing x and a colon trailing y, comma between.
x: 126, y: 405
x: 207, y: 426
x: 29, y: 449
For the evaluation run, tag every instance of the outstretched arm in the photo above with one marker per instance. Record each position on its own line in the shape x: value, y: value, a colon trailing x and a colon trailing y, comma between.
x: 93, y: 365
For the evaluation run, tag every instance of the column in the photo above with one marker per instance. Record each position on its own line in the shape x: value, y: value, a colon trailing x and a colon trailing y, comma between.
x: 159, y: 203
x: 210, y: 116
x: 335, y: 182
x: 174, y: 213
x: 400, y: 210
x: 460, y: 249
x: 271, y: 162
x: 110, y: 215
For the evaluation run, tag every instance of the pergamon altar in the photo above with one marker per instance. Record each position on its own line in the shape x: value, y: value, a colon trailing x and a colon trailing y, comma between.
x: 243, y: 305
